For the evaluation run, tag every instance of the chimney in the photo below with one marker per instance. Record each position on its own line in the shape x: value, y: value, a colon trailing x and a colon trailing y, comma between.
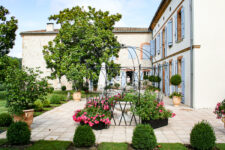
x: 50, y: 27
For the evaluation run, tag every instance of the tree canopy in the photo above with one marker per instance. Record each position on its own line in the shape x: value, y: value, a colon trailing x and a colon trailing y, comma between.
x: 85, y: 40
x: 8, y: 29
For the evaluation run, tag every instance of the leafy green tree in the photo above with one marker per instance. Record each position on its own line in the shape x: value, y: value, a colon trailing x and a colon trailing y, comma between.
x: 85, y: 40
x: 7, y: 62
x: 7, y: 31
x: 24, y: 87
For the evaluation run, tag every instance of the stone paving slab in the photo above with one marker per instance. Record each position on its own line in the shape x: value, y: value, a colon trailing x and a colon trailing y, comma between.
x: 57, y: 124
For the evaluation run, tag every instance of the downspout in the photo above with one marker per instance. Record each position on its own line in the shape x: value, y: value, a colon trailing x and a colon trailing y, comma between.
x: 191, y: 53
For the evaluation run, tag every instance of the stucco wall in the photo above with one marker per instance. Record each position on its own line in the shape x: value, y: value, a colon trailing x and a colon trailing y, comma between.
x: 209, y: 60
x: 32, y: 56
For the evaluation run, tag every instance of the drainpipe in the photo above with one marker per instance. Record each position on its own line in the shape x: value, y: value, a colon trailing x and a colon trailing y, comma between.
x: 191, y: 52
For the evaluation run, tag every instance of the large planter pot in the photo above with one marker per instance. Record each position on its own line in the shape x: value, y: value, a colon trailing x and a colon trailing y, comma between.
x: 176, y: 101
x: 156, y: 123
x: 99, y: 126
x: 77, y: 96
x: 27, y: 117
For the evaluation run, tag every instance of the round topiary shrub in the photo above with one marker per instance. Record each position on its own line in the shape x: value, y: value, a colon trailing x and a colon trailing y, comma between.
x: 38, y: 105
x: 84, y: 136
x: 63, y: 88
x: 157, y: 79
x: 55, y: 99
x: 18, y: 133
x: 202, y: 136
x: 5, y: 120
x: 175, y: 79
x: 144, y: 137
x: 152, y: 78
x: 46, y: 103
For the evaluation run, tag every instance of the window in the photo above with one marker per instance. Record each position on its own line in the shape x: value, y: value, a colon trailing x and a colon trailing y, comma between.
x: 131, y: 52
x: 179, y: 25
x: 145, y: 51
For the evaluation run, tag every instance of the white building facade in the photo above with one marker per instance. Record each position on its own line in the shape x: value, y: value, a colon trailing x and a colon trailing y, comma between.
x: 135, y: 41
x: 188, y: 40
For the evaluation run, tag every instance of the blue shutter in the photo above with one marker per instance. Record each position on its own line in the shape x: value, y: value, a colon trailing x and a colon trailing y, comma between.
x: 165, y: 41
x: 182, y: 23
x: 173, y: 73
x: 152, y: 45
x: 123, y: 79
x: 156, y: 44
x: 151, y: 48
x: 156, y: 74
x: 161, y: 44
x: 168, y: 79
x: 131, y: 53
x: 146, y: 52
x: 161, y: 76
x: 170, y: 33
x: 175, y: 20
x: 183, y: 79
x: 176, y: 73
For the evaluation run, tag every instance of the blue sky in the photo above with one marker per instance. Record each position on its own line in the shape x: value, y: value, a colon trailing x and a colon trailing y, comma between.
x: 33, y: 14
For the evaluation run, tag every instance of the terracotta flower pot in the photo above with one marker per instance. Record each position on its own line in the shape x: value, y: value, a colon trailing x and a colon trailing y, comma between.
x: 176, y: 101
x: 77, y: 96
x: 27, y: 117
x: 223, y: 120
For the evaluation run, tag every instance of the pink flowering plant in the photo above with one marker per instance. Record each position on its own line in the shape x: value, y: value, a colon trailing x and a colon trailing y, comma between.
x: 95, y: 112
x: 150, y: 109
x: 220, y: 110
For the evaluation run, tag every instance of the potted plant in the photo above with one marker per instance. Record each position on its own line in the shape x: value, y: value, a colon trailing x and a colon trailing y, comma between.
x: 176, y: 80
x: 151, y: 111
x: 152, y: 80
x: 24, y: 87
x: 96, y: 114
x: 220, y: 111
x: 77, y: 86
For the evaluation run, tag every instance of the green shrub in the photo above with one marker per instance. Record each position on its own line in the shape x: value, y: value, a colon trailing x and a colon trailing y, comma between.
x: 46, y: 103
x: 2, y: 87
x: 152, y: 78
x: 84, y: 136
x: 5, y: 120
x: 38, y: 105
x: 3, y: 94
x: 24, y: 87
x: 117, y: 85
x: 56, y: 98
x: 202, y: 136
x: 175, y: 94
x: 175, y: 79
x: 144, y: 137
x: 63, y: 88
x: 18, y: 133
x: 146, y: 77
x: 157, y: 79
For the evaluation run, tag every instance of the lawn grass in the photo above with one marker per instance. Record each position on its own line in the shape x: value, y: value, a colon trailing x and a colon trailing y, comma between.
x: 50, y: 145
x: 3, y: 108
x: 172, y: 146
x: 221, y: 146
x: 39, y: 145
x: 113, y: 146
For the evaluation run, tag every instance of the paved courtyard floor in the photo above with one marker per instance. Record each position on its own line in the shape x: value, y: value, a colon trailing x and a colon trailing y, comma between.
x: 58, y: 124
